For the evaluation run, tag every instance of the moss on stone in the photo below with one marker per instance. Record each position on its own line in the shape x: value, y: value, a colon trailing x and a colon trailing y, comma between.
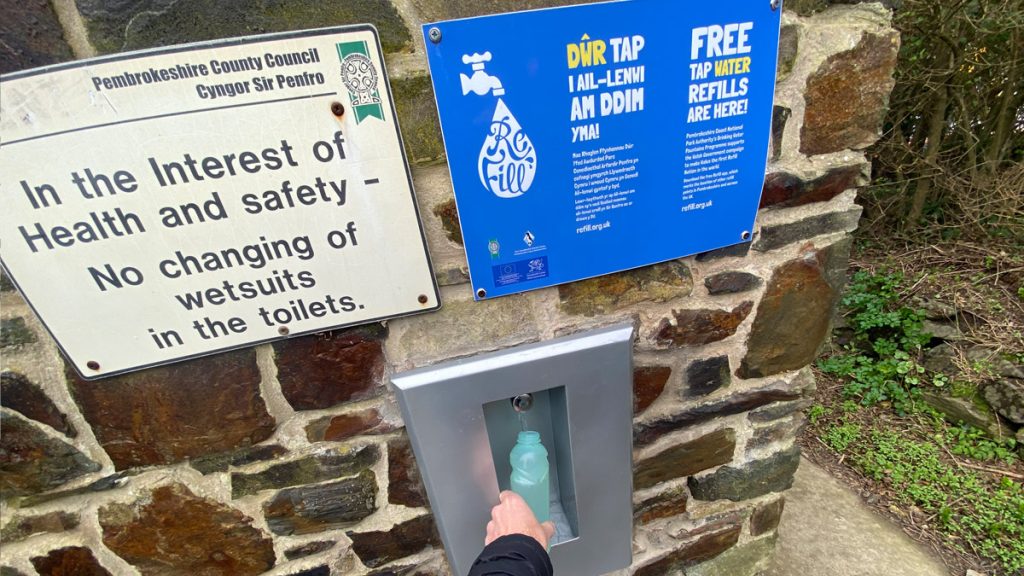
x: 449, y: 215
x: 119, y: 26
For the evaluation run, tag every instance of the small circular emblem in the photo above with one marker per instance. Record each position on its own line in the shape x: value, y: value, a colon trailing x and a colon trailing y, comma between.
x: 360, y: 77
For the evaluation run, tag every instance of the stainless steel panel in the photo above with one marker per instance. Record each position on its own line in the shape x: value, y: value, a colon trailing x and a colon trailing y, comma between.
x: 443, y: 407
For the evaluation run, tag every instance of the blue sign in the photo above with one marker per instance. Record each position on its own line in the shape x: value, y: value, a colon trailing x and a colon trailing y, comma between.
x: 593, y: 139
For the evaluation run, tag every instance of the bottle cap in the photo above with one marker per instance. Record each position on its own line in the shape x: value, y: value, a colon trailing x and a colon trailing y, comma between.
x: 529, y: 437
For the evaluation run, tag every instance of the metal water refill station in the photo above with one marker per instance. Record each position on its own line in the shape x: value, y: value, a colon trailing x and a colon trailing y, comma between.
x: 463, y: 417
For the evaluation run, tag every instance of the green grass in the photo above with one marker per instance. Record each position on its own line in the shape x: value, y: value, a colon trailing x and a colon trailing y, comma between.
x: 979, y: 516
x: 917, y: 457
x: 880, y: 364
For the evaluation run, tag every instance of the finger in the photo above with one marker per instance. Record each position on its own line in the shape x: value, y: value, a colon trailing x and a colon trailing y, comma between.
x: 504, y: 496
x: 549, y: 528
x: 491, y: 535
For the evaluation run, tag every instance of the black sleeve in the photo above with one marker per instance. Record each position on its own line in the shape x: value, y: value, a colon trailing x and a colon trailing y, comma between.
x: 513, y: 555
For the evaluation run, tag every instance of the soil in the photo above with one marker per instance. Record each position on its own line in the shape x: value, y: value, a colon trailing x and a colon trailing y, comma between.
x: 985, y: 284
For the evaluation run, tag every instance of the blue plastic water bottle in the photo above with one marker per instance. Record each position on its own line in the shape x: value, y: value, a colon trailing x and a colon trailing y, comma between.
x: 529, y: 479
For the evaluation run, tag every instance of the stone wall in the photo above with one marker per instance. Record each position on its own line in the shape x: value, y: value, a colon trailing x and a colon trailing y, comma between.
x: 291, y: 458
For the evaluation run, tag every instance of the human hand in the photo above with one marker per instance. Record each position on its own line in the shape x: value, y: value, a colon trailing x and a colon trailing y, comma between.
x: 513, y: 516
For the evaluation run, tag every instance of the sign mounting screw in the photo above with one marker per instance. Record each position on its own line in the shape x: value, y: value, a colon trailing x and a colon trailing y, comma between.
x: 435, y: 33
x: 337, y: 108
x: 422, y: 299
x: 775, y: 4
x: 481, y: 293
x: 92, y: 365
x: 745, y: 235
x: 283, y: 330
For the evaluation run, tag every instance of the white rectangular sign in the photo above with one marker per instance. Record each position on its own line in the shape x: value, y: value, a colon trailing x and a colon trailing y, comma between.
x: 171, y: 203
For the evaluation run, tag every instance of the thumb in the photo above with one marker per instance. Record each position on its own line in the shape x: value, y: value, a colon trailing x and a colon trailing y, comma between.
x: 549, y: 528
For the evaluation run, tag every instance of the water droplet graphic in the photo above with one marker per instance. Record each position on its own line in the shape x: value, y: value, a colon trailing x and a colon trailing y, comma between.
x: 508, y: 161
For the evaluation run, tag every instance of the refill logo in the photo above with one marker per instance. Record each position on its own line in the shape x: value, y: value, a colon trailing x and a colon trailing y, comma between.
x: 507, y: 162
x: 360, y: 77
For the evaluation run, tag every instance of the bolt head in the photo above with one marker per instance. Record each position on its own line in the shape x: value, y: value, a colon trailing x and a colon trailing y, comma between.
x: 435, y: 34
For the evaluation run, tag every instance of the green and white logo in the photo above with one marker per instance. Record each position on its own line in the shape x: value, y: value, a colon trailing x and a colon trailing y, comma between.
x: 360, y: 77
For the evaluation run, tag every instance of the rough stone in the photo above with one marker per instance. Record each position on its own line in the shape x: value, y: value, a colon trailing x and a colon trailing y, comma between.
x: 766, y: 517
x: 15, y: 332
x: 779, y: 410
x: 992, y: 361
x: 5, y: 283
x: 173, y: 531
x: 1006, y: 397
x: 461, y: 327
x: 344, y: 426
x: 705, y: 376
x: 734, y: 251
x: 848, y: 95
x: 401, y: 570
x: 8, y: 571
x: 321, y: 507
x: 777, y: 236
x: 947, y: 331
x: 448, y: 213
x: 123, y: 25
x: 168, y: 414
x: 405, y: 539
x: 739, y: 560
x: 32, y: 462
x: 324, y: 465
x: 331, y: 368
x: 667, y: 504
x: 24, y: 526
x: 404, y: 484
x: 685, y: 459
x: 22, y: 395
x: 782, y: 409
x: 701, y: 549
x: 699, y: 327
x: 648, y: 384
x: 941, y: 359
x: 452, y: 276
x: 731, y: 283
x: 604, y: 294
x: 30, y: 36
x: 241, y: 457
x: 805, y: 7
x: 309, y: 549
x: 72, y: 560
x: 446, y: 9
x: 784, y: 190
x: 780, y: 431
x: 646, y: 432
x: 417, y: 113
x: 793, y: 318
x: 753, y: 479
x: 935, y: 309
x: 780, y: 117
x: 317, y: 571
x: 961, y: 410
x: 103, y: 484
x: 789, y: 47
